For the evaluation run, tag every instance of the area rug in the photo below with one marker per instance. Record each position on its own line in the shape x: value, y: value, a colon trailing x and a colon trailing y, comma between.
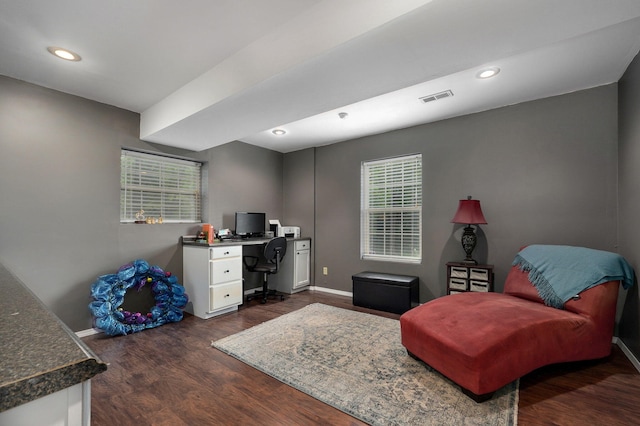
x: 355, y: 362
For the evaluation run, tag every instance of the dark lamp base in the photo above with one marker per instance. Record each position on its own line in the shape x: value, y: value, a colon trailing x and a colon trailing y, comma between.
x: 469, y: 240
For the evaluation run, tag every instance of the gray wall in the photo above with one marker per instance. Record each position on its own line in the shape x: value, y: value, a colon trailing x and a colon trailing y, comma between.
x: 299, y: 195
x: 545, y: 172
x: 59, y: 189
x: 243, y: 177
x: 629, y: 201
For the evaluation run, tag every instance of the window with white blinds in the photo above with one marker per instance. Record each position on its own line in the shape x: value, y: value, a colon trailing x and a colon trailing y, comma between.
x: 162, y: 186
x: 392, y: 209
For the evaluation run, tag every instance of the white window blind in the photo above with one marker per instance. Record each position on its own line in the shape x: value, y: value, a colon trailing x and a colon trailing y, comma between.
x: 162, y: 186
x: 392, y: 209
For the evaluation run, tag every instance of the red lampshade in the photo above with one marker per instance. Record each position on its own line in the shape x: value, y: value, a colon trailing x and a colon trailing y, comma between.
x: 469, y: 212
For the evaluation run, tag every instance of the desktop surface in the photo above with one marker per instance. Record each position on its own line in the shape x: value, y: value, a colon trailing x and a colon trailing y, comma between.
x: 233, y: 241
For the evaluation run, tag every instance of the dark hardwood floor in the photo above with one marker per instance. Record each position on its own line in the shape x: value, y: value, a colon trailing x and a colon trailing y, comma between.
x: 171, y: 375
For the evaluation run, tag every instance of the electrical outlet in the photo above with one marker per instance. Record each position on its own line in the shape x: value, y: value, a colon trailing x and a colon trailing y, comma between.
x: 325, y: 270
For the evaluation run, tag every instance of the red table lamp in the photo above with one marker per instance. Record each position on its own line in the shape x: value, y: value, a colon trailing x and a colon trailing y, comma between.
x: 469, y: 213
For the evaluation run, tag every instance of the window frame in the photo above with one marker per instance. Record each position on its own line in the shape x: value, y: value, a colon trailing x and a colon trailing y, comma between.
x: 168, y: 175
x: 410, y: 192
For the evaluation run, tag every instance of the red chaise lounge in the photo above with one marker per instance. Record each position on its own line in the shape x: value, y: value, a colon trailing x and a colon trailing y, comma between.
x: 483, y: 341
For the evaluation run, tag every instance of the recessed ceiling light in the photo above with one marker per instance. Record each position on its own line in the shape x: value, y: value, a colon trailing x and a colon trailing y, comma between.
x: 488, y: 72
x: 64, y: 53
x: 278, y: 132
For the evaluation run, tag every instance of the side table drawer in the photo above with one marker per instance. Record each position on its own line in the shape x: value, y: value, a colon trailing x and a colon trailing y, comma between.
x: 457, y: 284
x: 458, y: 272
x: 481, y: 286
x: 479, y: 274
x: 463, y: 277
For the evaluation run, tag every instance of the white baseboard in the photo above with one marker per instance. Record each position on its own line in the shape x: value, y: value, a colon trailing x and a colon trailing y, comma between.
x: 627, y: 352
x: 88, y: 332
x: 332, y: 291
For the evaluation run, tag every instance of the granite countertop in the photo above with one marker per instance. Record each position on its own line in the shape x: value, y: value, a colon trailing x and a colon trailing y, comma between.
x: 39, y: 354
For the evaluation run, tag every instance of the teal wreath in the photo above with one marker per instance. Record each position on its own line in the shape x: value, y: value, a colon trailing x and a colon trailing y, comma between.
x: 108, y: 292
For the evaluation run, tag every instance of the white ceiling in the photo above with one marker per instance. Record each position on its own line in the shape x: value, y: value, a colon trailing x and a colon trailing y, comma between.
x: 206, y: 72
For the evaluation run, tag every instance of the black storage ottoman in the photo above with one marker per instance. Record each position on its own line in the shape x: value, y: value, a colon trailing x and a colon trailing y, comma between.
x: 385, y: 292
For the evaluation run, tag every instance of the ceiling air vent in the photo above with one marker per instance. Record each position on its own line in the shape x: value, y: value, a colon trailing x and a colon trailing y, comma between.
x: 437, y: 96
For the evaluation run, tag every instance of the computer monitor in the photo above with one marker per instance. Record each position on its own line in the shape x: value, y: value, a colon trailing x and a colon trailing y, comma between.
x: 250, y: 224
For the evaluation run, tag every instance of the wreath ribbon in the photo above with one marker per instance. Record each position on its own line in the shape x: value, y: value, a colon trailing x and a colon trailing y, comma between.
x: 108, y: 293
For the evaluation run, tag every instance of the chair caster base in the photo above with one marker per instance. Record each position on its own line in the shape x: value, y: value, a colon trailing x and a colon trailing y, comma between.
x: 264, y: 297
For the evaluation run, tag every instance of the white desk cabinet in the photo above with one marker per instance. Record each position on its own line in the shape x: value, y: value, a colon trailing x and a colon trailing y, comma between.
x: 295, y: 273
x: 212, y: 277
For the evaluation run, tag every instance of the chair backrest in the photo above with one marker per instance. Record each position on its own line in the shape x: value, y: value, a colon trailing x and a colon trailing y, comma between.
x: 517, y: 284
x: 597, y: 303
x: 592, y: 302
x: 275, y: 250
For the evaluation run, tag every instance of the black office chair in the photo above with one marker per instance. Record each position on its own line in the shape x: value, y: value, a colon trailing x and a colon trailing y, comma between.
x: 274, y: 252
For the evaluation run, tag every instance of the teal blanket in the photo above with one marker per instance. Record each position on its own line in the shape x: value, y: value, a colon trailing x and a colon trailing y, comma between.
x: 561, y: 272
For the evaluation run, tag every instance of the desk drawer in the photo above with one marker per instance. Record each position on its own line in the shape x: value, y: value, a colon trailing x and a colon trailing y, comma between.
x: 302, y: 245
x: 224, y: 270
x: 224, y: 295
x: 224, y: 252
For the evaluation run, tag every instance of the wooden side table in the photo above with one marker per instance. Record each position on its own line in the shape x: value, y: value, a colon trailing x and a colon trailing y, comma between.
x: 463, y: 277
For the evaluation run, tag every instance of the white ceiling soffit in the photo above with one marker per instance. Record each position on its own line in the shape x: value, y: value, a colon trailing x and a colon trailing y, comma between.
x: 540, y: 73
x: 313, y: 33
x: 544, y: 47
x: 206, y: 72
